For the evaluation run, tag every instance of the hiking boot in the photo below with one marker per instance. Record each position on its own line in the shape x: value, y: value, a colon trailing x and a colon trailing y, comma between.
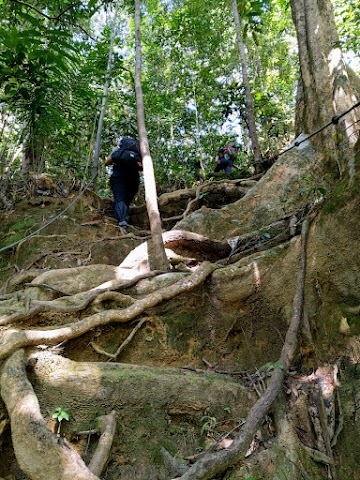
x: 123, y: 224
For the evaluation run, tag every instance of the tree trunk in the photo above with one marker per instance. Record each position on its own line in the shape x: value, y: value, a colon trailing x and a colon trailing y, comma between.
x: 249, y: 100
x: 326, y: 88
x: 156, y: 249
x: 104, y: 98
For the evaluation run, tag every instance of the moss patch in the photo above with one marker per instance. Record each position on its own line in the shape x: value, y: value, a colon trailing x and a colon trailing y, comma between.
x: 342, y: 194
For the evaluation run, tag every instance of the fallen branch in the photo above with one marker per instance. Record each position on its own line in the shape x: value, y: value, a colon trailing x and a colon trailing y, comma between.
x: 217, y: 462
x: 40, y: 453
x: 107, y: 427
x: 13, y: 339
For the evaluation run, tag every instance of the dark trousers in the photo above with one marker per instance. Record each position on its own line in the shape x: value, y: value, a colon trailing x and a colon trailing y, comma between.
x: 123, y: 196
x: 225, y: 164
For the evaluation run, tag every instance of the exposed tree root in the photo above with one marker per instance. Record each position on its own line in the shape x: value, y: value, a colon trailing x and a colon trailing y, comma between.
x: 188, y: 207
x: 79, y: 301
x: 222, y: 187
x: 107, y: 427
x: 40, y: 453
x: 20, y: 278
x: 175, y: 466
x: 325, y: 432
x: 114, y: 356
x: 267, y: 237
x: 214, y: 463
x: 183, y: 241
x: 13, y: 339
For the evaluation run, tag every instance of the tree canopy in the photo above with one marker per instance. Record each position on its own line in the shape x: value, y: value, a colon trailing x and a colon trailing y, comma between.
x: 53, y: 65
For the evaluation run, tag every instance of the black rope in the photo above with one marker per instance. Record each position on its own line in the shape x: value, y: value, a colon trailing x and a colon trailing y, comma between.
x: 8, y: 247
x: 334, y: 121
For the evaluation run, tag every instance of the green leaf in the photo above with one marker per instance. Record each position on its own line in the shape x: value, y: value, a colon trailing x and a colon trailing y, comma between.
x: 29, y: 18
x: 60, y: 414
x: 277, y: 364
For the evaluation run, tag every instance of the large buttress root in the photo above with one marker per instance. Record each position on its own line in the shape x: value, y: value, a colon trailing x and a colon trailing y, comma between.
x: 214, y: 463
x: 40, y: 453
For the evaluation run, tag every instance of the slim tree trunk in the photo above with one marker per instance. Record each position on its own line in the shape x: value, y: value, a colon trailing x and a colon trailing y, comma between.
x: 156, y: 249
x: 249, y: 100
x: 104, y: 98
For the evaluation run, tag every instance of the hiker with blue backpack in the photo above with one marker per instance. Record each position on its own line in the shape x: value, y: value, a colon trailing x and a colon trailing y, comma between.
x: 125, y: 178
x: 225, y: 159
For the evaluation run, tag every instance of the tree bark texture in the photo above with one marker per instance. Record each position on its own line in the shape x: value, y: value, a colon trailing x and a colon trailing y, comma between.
x: 107, y: 426
x: 326, y: 88
x: 156, y: 250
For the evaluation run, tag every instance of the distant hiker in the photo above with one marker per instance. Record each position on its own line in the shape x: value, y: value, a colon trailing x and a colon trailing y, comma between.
x: 225, y: 159
x: 124, y: 181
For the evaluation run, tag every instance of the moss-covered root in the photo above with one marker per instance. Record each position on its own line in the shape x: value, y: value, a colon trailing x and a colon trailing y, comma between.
x: 39, y: 452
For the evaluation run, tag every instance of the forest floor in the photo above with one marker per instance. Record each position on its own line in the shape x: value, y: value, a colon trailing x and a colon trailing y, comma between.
x: 197, y: 345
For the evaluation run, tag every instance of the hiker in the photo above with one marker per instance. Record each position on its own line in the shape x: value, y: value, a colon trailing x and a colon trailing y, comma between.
x: 124, y: 180
x: 225, y: 159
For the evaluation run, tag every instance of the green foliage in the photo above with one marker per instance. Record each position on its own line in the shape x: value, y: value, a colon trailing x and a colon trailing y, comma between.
x: 208, y: 425
x: 22, y: 225
x: 61, y: 414
x: 9, y: 240
x: 312, y: 188
x: 53, y: 74
x: 348, y: 20
x: 16, y: 232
